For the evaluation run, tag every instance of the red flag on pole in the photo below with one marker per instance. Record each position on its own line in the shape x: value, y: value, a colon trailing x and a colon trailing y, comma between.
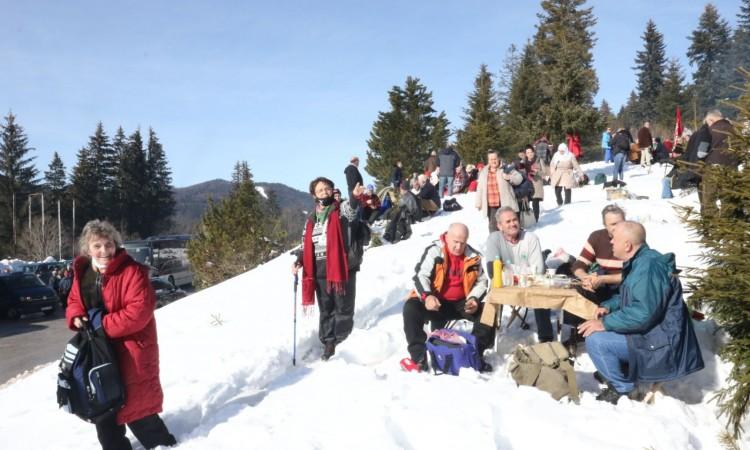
x: 678, y: 124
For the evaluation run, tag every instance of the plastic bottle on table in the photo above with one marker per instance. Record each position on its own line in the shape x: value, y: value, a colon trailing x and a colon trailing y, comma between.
x: 497, y: 273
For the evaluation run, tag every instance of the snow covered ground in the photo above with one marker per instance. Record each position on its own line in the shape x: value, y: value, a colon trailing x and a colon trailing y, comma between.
x: 229, y: 382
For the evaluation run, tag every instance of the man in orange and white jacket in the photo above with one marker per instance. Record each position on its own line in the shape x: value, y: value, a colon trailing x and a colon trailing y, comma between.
x: 449, y: 284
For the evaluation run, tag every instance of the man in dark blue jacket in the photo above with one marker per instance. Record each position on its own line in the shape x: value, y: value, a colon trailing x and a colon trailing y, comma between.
x: 448, y: 160
x: 646, y: 326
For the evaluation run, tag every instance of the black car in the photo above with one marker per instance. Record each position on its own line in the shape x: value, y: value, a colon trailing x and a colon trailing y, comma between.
x: 24, y: 293
x: 166, y: 292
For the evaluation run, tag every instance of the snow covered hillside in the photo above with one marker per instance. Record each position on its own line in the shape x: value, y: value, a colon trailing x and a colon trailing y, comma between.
x: 229, y: 383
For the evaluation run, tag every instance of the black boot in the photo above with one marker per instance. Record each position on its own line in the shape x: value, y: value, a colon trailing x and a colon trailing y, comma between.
x: 609, y: 394
x: 328, y: 351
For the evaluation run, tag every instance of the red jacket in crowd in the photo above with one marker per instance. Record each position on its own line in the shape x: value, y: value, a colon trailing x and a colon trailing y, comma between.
x: 129, y: 323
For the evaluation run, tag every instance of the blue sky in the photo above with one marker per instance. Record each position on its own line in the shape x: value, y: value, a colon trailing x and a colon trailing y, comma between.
x: 291, y: 87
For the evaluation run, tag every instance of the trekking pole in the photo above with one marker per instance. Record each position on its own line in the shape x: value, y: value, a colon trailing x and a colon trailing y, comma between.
x: 294, y: 341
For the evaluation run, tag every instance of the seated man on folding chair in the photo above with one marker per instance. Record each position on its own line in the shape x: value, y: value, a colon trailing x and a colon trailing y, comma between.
x: 519, y: 247
x: 449, y: 284
x: 646, y: 326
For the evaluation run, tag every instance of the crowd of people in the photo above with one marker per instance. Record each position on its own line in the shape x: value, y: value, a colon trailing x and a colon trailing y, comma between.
x: 642, y: 332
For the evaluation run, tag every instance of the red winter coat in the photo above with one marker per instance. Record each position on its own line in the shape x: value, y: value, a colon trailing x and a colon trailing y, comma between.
x: 574, y: 145
x: 129, y: 323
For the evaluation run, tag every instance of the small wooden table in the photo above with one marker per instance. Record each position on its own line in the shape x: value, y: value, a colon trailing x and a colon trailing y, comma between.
x: 567, y: 299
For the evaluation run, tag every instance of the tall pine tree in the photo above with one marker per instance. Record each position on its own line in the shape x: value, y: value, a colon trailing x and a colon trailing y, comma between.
x: 17, y: 177
x: 119, y: 147
x: 606, y: 114
x: 737, y: 57
x: 481, y: 130
x: 671, y: 96
x: 234, y: 235
x: 649, y: 67
x: 562, y: 44
x: 406, y: 133
x: 54, y: 178
x: 708, y: 51
x: 134, y: 180
x: 525, y: 99
x: 160, y: 201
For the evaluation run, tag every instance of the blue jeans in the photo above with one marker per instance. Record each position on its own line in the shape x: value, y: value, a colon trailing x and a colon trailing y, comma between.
x: 607, y: 154
x: 619, y: 166
x: 443, y: 181
x: 608, y: 350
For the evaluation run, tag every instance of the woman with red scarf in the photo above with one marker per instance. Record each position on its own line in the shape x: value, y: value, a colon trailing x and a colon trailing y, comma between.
x: 332, y: 247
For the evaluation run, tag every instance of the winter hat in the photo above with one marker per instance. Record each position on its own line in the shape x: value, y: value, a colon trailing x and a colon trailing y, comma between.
x: 563, y: 147
x: 371, y: 188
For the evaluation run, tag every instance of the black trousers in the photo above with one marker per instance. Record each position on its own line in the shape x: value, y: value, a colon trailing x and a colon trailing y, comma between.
x: 543, y: 320
x: 150, y: 431
x: 535, y: 207
x: 336, y: 310
x: 415, y: 316
x: 493, y: 220
x: 558, y: 195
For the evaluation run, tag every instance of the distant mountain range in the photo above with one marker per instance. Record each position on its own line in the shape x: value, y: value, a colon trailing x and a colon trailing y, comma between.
x: 192, y: 202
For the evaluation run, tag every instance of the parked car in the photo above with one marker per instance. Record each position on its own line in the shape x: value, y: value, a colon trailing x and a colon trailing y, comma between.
x: 166, y: 292
x: 24, y: 293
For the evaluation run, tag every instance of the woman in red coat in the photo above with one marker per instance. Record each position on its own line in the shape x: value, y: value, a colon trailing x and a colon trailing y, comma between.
x: 105, y: 276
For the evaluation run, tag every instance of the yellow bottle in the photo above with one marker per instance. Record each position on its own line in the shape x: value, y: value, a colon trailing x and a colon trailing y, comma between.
x: 497, y: 273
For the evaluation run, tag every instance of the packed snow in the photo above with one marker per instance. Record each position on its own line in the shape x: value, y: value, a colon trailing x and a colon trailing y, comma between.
x: 229, y: 383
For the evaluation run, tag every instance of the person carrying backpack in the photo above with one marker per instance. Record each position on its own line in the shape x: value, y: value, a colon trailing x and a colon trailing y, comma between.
x: 107, y: 277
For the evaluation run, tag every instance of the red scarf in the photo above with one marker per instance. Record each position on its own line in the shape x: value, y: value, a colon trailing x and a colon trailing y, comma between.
x: 337, y: 267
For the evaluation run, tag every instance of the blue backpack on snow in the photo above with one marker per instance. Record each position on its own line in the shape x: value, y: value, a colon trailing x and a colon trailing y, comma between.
x: 451, y: 350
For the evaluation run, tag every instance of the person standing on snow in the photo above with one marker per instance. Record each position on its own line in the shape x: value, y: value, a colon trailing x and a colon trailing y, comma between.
x: 495, y: 189
x: 353, y: 178
x: 563, y: 168
x: 332, y: 248
x: 106, y: 277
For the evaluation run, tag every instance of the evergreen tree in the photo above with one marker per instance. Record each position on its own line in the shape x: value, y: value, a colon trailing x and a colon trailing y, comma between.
x: 234, y: 235
x: 94, y: 178
x: 671, y: 96
x: 481, y: 120
x: 563, y: 45
x: 17, y: 176
x: 723, y: 286
x: 406, y: 133
x: 737, y: 57
x: 160, y: 201
x: 649, y: 67
x: 524, y: 102
x: 104, y: 162
x: 607, y: 116
x: 511, y: 61
x: 84, y: 188
x: 119, y: 148
x: 708, y: 50
x: 54, y: 178
x: 628, y: 116
x: 134, y: 179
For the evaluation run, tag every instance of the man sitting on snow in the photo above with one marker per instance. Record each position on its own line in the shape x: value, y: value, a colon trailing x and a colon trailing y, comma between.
x: 646, y: 325
x: 514, y: 245
x: 596, y: 266
x: 449, y: 284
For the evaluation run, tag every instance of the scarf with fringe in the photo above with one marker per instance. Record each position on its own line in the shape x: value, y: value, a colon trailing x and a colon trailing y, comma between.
x: 337, y: 267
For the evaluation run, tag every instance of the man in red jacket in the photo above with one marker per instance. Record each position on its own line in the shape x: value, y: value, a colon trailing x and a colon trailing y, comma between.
x: 106, y: 277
